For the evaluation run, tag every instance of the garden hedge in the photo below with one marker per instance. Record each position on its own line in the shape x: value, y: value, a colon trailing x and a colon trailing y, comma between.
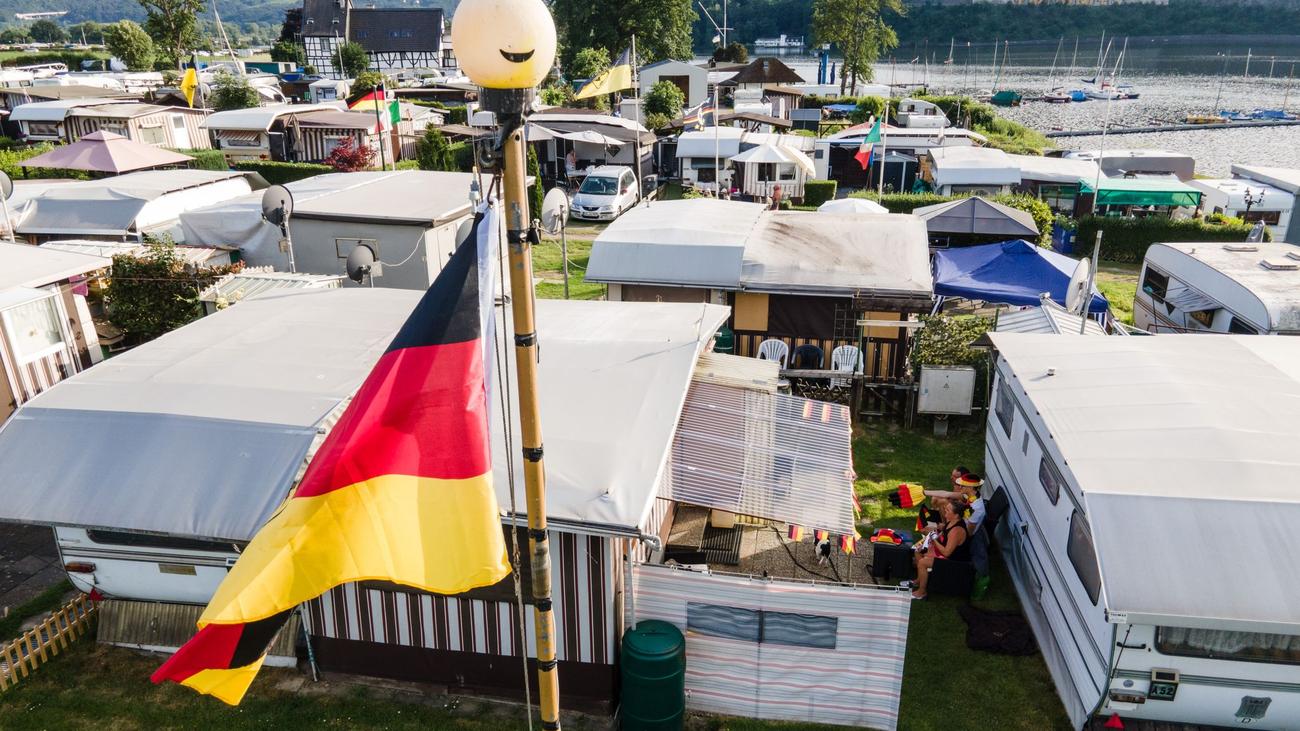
x: 279, y: 173
x: 817, y: 192
x: 1127, y: 239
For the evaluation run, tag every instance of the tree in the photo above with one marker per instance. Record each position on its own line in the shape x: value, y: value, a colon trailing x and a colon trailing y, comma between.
x: 154, y: 293
x: 173, y: 25
x: 858, y: 29
x: 656, y: 122
x: 232, y: 92
x: 14, y: 36
x: 131, y: 44
x: 588, y: 63
x: 349, y: 157
x: 535, y: 193
x: 45, y: 31
x: 292, y: 26
x: 87, y: 32
x: 558, y: 94
x: 288, y: 51
x: 734, y: 52
x: 662, y: 28
x: 364, y: 83
x: 354, y: 58
x: 664, y: 98
x: 433, y: 151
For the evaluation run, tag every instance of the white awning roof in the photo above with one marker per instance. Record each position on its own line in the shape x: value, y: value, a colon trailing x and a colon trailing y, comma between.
x: 219, y: 414
x: 259, y: 119
x: 973, y: 166
x: 720, y: 141
x: 23, y: 265
x: 769, y: 152
x: 1184, y: 448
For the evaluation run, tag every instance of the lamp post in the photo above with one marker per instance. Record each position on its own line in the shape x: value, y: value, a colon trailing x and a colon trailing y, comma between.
x: 1250, y: 199
x: 507, y: 47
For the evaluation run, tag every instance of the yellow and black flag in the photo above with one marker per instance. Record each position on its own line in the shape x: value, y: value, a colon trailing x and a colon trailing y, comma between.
x: 190, y: 82
x: 616, y: 78
x: 401, y: 489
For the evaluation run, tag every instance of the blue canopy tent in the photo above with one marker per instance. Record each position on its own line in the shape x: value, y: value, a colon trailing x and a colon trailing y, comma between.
x: 1011, y: 272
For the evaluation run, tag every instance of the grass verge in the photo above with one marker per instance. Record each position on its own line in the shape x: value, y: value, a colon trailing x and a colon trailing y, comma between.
x: 43, y: 603
x: 1118, y: 283
x: 547, y: 263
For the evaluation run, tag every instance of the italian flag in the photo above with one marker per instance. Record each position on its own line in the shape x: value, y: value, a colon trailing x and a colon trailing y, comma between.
x: 868, y: 146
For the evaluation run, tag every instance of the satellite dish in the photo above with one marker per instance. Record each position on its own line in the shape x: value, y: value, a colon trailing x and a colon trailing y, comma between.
x: 1076, y: 292
x: 277, y: 205
x: 555, y: 210
x: 6, y: 185
x: 361, y: 262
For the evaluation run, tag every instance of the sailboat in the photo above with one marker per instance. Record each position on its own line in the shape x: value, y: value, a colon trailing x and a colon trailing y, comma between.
x: 1200, y: 118
x: 1104, y: 91
x: 952, y: 43
x: 1076, y: 95
x: 1058, y: 94
x: 1004, y: 97
x: 1126, y: 91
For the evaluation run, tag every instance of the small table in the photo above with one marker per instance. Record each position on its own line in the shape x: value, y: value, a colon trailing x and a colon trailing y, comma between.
x: 892, y: 561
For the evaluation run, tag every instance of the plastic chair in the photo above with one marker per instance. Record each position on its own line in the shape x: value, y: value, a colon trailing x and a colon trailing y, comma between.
x: 776, y: 350
x: 808, y: 357
x: 846, y: 359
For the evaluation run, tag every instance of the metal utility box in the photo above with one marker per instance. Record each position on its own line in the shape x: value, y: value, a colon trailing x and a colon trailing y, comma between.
x: 946, y: 390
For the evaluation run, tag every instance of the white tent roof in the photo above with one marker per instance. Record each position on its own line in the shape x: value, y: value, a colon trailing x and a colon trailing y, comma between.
x: 221, y: 412
x: 851, y: 205
x: 725, y: 141
x: 973, y: 166
x: 742, y: 246
x: 23, y: 265
x: 1184, y: 449
x: 768, y: 152
x: 259, y: 119
x: 57, y: 109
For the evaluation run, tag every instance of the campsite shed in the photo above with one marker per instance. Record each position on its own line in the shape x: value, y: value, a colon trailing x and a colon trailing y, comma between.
x: 978, y: 170
x: 1012, y: 272
x: 46, y: 334
x: 975, y: 220
x: 802, y: 277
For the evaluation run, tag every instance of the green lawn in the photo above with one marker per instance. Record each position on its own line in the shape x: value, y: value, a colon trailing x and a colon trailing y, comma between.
x: 945, y: 684
x: 547, y: 263
x: 1118, y: 282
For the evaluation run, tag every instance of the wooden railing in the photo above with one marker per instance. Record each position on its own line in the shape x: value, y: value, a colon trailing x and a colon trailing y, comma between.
x: 37, y: 645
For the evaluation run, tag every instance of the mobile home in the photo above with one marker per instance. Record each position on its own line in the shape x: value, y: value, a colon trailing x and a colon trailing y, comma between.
x: 1249, y: 200
x: 1132, y: 466
x: 1215, y: 287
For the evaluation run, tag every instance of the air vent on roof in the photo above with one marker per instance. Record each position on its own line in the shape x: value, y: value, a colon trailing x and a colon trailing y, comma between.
x: 1280, y: 265
x: 1293, y: 255
x: 1240, y: 247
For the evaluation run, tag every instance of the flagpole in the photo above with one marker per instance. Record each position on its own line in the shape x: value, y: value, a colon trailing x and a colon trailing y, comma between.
x: 717, y: 165
x: 518, y: 224
x: 884, y: 144
x: 640, y: 115
x: 383, y: 164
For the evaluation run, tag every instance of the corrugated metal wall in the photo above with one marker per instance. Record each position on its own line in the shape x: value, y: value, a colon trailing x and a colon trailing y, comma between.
x: 583, y: 593
x: 856, y: 681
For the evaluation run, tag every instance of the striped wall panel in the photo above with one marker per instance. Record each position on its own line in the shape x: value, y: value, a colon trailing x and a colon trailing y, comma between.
x: 857, y: 683
x: 582, y: 587
x: 29, y: 379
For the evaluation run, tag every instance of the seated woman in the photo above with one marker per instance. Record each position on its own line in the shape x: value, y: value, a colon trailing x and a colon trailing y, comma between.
x: 950, y: 543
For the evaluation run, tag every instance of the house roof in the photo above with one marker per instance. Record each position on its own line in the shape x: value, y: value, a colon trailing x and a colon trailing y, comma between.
x: 128, y: 110
x: 395, y: 30
x: 223, y: 411
x: 766, y: 70
x: 58, y: 109
x: 966, y: 165
x: 319, y: 16
x: 259, y: 119
x: 410, y: 197
x: 248, y: 284
x: 1049, y: 318
x: 1064, y: 170
x: 742, y: 246
x: 340, y: 119
x: 23, y: 265
x: 1198, y: 430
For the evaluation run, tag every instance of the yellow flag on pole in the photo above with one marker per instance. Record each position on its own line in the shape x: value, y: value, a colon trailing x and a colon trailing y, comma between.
x: 617, y: 78
x: 189, y: 84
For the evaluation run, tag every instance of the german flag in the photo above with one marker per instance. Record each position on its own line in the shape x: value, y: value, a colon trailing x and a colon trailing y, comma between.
x: 400, y: 490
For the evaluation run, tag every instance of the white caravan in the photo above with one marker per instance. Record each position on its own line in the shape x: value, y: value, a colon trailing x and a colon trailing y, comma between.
x: 1215, y: 287
x: 1151, y: 497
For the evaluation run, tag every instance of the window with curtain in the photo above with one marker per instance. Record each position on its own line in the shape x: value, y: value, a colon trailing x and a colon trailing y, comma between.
x: 1228, y: 645
x: 33, y: 329
x: 755, y: 625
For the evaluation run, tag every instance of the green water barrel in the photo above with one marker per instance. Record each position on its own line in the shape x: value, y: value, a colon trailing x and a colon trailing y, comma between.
x: 724, y: 341
x: 654, y: 677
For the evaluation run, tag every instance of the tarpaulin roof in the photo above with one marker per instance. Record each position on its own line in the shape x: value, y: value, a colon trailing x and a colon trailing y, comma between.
x: 202, y: 432
x: 23, y: 265
x: 1183, y: 448
x: 1144, y: 192
x: 975, y: 215
x: 1011, y: 272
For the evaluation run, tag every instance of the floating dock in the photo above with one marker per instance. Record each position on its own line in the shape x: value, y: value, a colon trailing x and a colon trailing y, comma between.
x: 1180, y: 127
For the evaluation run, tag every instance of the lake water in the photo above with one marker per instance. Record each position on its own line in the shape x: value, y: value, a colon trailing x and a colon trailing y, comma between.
x: 1174, y: 78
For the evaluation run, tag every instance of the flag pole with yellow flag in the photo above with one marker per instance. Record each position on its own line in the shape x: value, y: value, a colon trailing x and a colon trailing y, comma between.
x: 401, y: 489
x: 616, y: 78
x: 190, y: 82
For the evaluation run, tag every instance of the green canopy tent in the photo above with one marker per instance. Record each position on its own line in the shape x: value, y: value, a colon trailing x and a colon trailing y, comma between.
x: 1143, y: 192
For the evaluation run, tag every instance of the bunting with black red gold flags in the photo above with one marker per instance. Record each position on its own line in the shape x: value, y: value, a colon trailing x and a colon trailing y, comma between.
x: 400, y: 490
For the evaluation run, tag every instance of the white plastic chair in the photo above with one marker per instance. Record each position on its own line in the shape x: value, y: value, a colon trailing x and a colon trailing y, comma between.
x: 775, y: 350
x: 846, y: 359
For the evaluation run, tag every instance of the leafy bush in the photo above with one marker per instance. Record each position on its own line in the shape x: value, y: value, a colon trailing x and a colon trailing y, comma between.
x: 817, y: 192
x: 232, y: 92
x: 407, y: 165
x: 945, y: 340
x: 463, y: 154
x: 734, y: 52
x: 1042, y: 213
x: 983, y: 118
x: 131, y: 44
x: 903, y: 202
x: 457, y: 115
x: 349, y: 157
x: 664, y: 98
x: 72, y: 59
x: 288, y: 51
x: 9, y: 159
x: 1127, y: 239
x: 354, y: 58
x: 154, y: 293
x: 433, y: 151
x: 655, y: 121
x: 279, y: 173
x: 207, y: 159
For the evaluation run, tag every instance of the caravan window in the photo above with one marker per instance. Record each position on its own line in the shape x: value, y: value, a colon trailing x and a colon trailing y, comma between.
x: 1236, y: 326
x: 1083, y: 557
x: 1155, y: 284
x: 1049, y: 478
x: 142, y: 540
x: 1006, y: 407
x: 1225, y: 645
x: 33, y: 329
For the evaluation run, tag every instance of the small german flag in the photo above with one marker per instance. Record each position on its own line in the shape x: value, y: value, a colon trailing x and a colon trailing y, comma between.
x: 907, y: 496
x: 820, y: 535
x: 795, y: 533
x: 847, y: 544
x: 401, y: 489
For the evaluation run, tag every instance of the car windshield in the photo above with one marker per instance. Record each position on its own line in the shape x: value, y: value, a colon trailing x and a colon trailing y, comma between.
x: 599, y: 186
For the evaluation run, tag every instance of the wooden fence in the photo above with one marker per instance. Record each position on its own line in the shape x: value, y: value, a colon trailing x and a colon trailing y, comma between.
x: 38, y: 644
